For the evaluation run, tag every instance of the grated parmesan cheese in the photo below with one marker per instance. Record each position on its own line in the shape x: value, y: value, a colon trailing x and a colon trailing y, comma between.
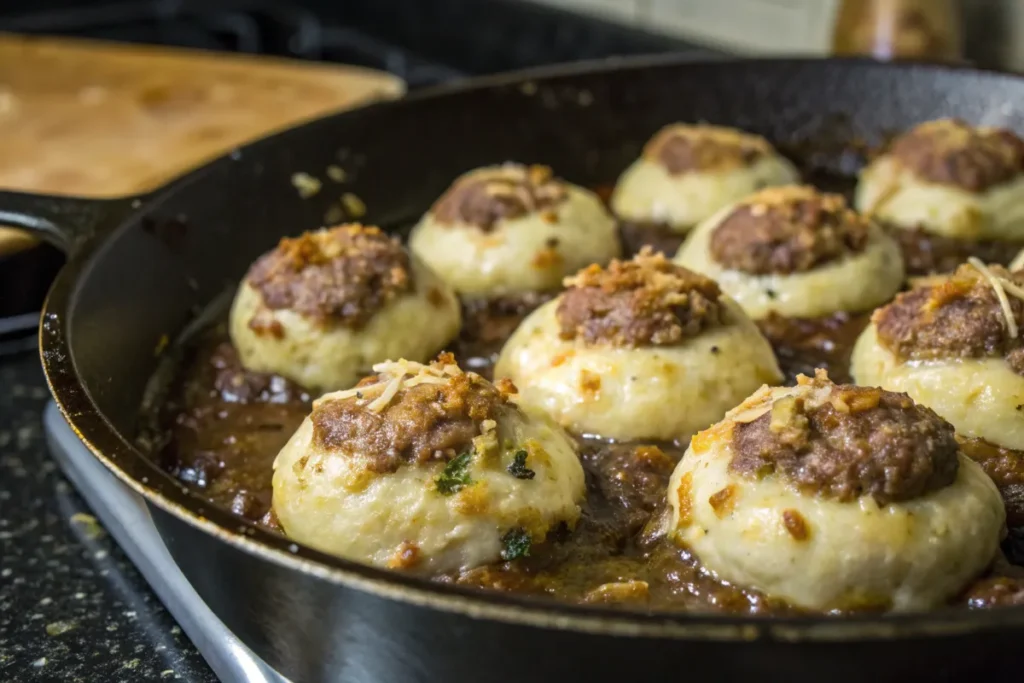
x: 382, y: 401
x: 394, y: 375
x: 1012, y: 288
x: 998, y: 284
x: 424, y: 379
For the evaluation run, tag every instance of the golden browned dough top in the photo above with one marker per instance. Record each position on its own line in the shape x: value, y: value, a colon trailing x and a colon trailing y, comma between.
x: 788, y: 230
x: 410, y: 413
x: 485, y: 197
x: 683, y: 148
x: 961, y: 316
x: 343, y: 274
x: 646, y: 301
x: 952, y: 152
x: 845, y: 441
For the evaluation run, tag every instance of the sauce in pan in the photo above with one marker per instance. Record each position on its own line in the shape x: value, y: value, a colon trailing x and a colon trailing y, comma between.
x: 221, y: 427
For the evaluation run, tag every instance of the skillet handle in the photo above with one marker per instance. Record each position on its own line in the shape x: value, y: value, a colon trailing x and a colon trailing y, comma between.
x: 69, y: 223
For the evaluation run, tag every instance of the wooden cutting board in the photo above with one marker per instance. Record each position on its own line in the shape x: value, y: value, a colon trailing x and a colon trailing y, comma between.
x: 99, y: 119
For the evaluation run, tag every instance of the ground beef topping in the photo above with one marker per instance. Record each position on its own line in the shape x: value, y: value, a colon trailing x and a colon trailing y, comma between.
x: 343, y: 274
x: 646, y: 301
x: 488, y: 196
x: 844, y: 441
x: 410, y: 413
x: 683, y: 148
x: 952, y: 152
x: 964, y: 316
x: 788, y: 230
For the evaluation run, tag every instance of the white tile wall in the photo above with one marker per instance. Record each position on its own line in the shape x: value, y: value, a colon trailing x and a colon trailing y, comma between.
x: 757, y: 26
x: 754, y: 26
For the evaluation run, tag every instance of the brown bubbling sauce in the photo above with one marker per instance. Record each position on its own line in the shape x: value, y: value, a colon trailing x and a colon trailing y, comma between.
x: 220, y: 428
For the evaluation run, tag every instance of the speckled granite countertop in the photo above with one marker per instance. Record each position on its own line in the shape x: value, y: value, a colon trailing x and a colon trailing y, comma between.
x: 72, y: 606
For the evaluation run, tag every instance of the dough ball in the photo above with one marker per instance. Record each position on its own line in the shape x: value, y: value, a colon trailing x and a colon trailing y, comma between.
x: 513, y: 229
x: 688, y: 172
x: 835, y: 497
x: 322, y: 308
x: 796, y: 252
x: 949, y: 346
x: 949, y: 178
x: 643, y: 349
x: 428, y: 469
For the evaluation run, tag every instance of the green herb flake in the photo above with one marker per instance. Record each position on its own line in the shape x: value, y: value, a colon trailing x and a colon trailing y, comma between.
x: 515, y: 544
x: 455, y: 475
x: 518, y: 469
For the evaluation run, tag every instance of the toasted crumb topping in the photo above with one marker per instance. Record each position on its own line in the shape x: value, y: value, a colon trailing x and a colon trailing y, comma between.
x: 342, y: 275
x: 645, y: 301
x: 787, y: 230
x: 488, y: 196
x: 682, y: 148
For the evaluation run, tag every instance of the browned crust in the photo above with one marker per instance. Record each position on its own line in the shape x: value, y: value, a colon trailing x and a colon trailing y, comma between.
x: 646, y: 301
x: 960, y: 317
x: 421, y: 423
x: 684, y: 500
x: 342, y: 275
x: 682, y: 148
x: 486, y: 197
x: 952, y: 152
x: 795, y: 525
x: 407, y: 556
x: 788, y: 230
x: 264, y: 324
x: 847, y: 442
x: 724, y: 501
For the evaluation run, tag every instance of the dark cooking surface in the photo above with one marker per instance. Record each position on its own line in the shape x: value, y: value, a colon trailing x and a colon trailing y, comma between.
x: 72, y: 605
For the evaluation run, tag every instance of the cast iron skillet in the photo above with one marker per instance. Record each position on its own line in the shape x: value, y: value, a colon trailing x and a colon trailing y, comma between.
x: 141, y: 268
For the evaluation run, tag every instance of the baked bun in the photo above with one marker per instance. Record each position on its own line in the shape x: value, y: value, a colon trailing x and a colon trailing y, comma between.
x: 796, y: 252
x: 512, y: 229
x: 322, y: 308
x: 836, y: 497
x: 954, y: 346
x: 643, y: 349
x: 951, y: 179
x: 426, y: 468
x: 688, y: 172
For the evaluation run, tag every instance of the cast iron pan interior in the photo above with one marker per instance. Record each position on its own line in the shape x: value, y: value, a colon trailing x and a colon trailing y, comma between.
x: 112, y: 309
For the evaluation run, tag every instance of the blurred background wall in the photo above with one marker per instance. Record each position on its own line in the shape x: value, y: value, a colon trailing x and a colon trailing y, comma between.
x: 993, y: 30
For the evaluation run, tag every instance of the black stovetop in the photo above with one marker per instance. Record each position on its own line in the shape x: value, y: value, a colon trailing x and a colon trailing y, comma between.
x: 72, y: 607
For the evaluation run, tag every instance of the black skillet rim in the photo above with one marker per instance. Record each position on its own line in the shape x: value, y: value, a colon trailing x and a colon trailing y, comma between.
x: 158, y: 488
